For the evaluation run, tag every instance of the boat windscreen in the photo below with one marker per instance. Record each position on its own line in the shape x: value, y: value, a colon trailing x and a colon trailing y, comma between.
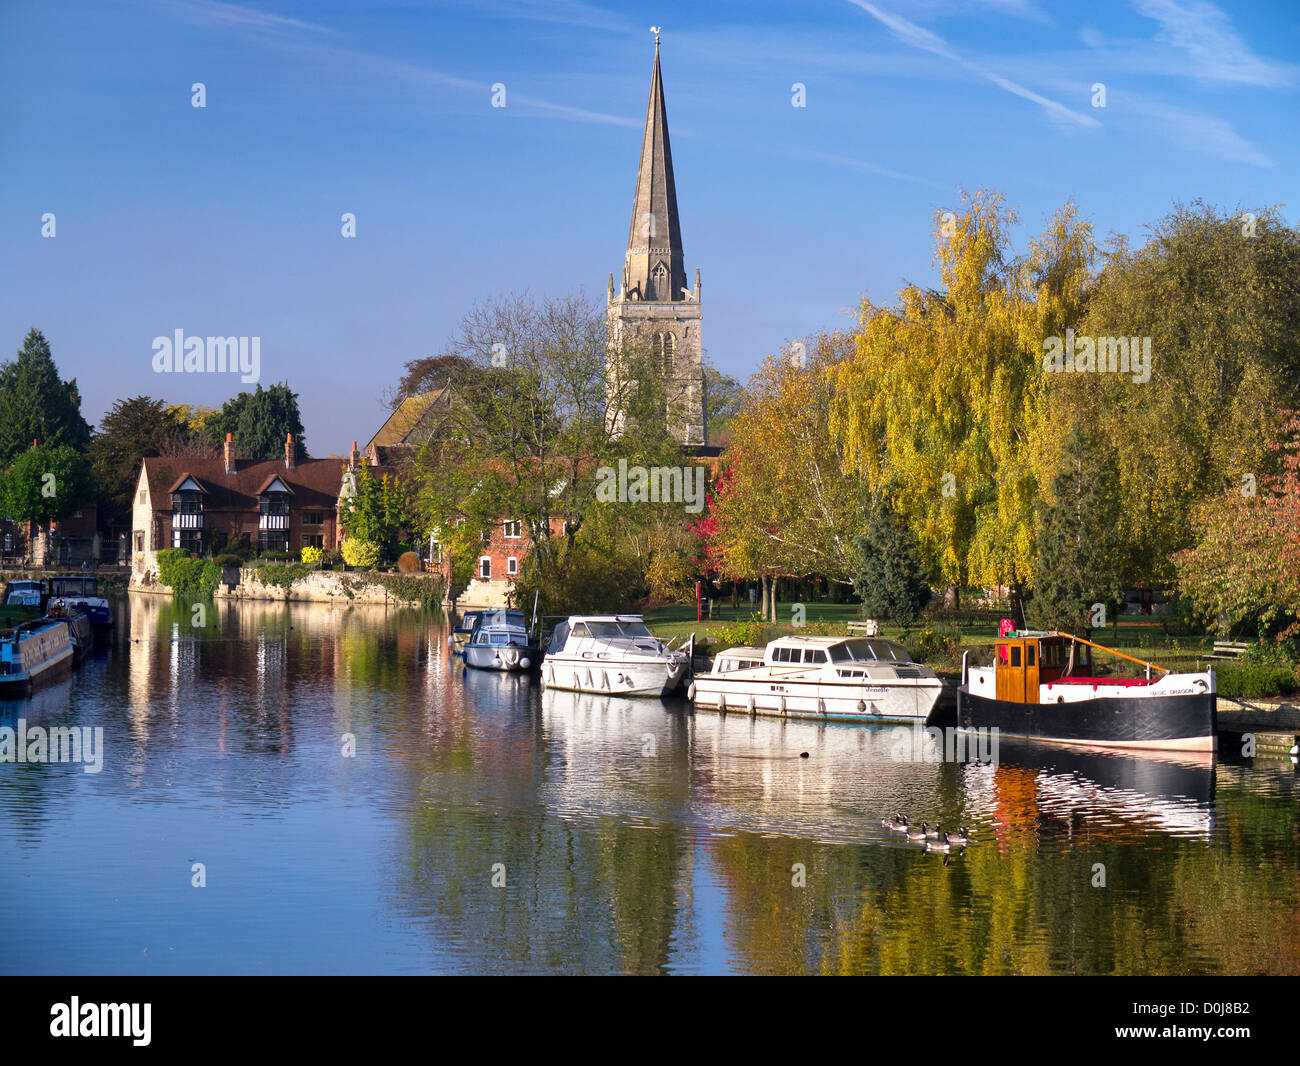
x: 503, y: 618
x: 635, y: 629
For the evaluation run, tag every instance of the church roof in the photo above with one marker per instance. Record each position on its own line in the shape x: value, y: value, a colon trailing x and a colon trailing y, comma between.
x: 399, y: 428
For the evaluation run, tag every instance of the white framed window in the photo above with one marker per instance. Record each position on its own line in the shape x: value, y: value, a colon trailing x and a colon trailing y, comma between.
x: 514, y: 529
x: 485, y: 567
x: 512, y: 565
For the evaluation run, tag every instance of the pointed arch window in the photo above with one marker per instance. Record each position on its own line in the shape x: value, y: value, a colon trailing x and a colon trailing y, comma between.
x: 659, y: 284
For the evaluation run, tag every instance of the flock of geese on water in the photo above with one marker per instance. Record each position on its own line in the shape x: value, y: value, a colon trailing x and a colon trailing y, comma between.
x: 933, y: 837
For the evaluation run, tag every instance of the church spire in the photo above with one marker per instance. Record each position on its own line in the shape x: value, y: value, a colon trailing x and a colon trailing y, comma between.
x: 655, y: 268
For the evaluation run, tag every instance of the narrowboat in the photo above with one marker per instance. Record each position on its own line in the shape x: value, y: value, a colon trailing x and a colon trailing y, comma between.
x: 33, y: 654
x: 612, y: 654
x: 500, y: 641
x: 840, y: 678
x: 80, y: 631
x: 1041, y: 686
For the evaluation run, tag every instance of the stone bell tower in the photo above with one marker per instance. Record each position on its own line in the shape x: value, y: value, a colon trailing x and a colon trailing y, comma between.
x: 652, y: 308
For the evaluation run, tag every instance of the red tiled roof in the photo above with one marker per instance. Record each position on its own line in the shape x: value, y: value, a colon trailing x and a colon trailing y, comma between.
x: 315, y: 483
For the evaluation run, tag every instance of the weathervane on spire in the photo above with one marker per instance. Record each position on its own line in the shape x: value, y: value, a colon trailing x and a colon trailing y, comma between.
x: 656, y: 31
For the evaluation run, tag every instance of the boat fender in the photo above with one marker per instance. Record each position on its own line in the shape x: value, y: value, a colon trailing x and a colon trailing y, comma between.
x: 821, y: 706
x: 690, y: 691
x: 753, y: 707
x: 525, y: 663
x: 862, y: 705
x: 783, y: 707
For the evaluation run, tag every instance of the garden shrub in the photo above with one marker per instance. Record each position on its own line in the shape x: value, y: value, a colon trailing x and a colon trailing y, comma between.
x: 408, y: 563
x: 311, y: 555
x: 360, y: 553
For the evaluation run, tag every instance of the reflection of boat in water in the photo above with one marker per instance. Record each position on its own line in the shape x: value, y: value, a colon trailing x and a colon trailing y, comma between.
x: 855, y: 679
x: 1040, y: 688
x: 1170, y: 792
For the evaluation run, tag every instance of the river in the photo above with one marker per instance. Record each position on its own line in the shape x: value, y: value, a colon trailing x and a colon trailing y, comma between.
x: 307, y: 789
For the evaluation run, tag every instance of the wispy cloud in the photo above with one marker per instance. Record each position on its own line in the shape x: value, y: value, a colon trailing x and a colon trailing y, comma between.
x: 310, y: 39
x: 923, y: 39
x: 1218, y: 53
x: 870, y: 168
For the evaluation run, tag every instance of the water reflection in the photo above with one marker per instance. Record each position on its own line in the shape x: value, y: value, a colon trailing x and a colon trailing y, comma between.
x: 337, y: 769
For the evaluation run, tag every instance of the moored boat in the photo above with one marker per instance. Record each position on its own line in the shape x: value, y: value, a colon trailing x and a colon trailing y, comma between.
x: 80, y: 632
x: 500, y: 641
x: 81, y: 592
x: 612, y: 654
x: 841, y: 678
x: 462, y: 631
x: 1041, y: 687
x: 25, y: 592
x: 33, y: 654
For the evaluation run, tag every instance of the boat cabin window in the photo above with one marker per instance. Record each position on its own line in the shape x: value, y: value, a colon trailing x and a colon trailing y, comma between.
x: 581, y: 631
x: 814, y: 655
x: 503, y: 618
x: 785, y: 655
x: 1015, y: 656
x: 635, y: 629
x: 1029, y: 655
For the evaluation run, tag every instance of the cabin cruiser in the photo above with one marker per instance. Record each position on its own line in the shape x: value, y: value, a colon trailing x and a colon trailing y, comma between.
x: 846, y: 678
x: 22, y: 592
x: 1041, y: 686
x: 612, y: 654
x: 80, y: 592
x: 462, y: 631
x: 500, y: 641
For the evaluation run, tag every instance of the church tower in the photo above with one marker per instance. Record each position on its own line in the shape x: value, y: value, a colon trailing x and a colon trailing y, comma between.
x: 652, y: 308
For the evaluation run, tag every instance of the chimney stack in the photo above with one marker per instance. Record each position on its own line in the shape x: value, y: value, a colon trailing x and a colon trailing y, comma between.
x: 354, y: 457
x: 230, y: 453
x: 290, y: 452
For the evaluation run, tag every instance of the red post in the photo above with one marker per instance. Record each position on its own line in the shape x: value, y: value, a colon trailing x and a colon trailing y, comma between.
x: 697, y: 601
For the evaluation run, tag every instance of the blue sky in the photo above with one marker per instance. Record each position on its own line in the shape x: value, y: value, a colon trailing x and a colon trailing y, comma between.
x: 225, y: 220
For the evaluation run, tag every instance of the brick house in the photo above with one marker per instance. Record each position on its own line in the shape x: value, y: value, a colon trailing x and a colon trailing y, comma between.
x: 212, y: 505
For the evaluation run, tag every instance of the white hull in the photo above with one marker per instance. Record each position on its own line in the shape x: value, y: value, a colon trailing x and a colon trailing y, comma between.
x: 902, y: 700
x: 612, y: 678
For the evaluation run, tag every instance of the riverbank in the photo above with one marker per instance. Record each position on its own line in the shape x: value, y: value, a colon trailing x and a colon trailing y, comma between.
x: 298, y: 584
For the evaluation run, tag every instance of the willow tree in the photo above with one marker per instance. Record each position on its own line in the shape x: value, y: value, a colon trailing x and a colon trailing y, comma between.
x: 1217, y: 295
x: 942, y: 405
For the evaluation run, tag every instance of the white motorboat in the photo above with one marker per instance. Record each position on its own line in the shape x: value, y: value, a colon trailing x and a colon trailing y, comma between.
x: 613, y: 654
x: 500, y: 641
x: 844, y: 678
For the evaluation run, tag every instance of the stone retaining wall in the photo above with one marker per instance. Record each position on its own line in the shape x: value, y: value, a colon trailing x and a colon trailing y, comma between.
x: 320, y: 586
